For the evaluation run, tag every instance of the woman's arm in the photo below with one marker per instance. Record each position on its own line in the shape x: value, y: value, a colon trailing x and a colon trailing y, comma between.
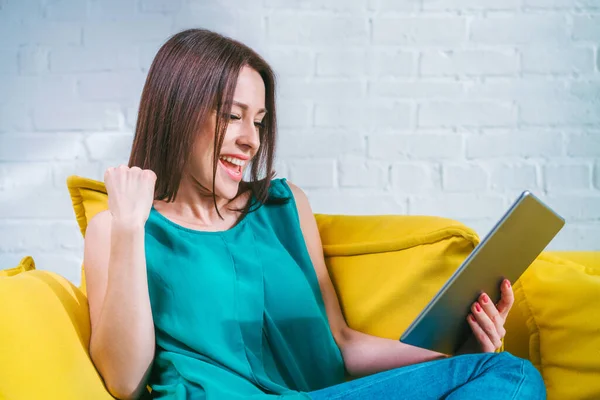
x: 122, y: 338
x: 366, y: 354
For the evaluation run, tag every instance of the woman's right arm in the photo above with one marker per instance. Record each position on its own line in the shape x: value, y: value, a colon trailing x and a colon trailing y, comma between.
x: 122, y: 335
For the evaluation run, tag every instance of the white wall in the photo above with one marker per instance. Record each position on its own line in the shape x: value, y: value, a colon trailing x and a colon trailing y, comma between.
x: 438, y: 107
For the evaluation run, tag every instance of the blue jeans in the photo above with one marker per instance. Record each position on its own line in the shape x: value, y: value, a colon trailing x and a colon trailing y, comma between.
x: 489, y: 376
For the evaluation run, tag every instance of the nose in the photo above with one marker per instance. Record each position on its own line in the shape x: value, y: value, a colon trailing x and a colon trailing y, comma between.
x: 249, y: 136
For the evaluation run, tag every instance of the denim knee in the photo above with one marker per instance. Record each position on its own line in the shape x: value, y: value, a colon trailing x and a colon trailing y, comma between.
x: 528, y: 379
x: 533, y: 379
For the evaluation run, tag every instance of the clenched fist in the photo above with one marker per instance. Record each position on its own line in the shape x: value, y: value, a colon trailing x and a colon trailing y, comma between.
x: 130, y: 193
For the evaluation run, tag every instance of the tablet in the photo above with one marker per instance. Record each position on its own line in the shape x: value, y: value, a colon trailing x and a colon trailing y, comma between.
x: 505, y: 252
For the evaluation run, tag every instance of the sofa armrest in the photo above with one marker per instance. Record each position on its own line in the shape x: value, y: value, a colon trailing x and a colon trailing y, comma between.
x: 44, y: 340
x: 386, y: 268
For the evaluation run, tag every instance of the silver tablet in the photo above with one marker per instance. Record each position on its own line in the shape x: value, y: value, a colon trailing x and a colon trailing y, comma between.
x: 506, y: 251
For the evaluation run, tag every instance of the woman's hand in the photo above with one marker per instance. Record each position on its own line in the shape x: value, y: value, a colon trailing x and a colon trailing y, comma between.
x: 487, y: 320
x: 130, y: 193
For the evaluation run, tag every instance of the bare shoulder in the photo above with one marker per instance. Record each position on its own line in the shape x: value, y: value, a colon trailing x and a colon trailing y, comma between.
x: 300, y: 197
x: 295, y: 189
x: 305, y: 214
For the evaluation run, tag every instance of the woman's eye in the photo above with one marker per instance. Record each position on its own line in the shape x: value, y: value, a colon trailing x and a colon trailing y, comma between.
x: 237, y: 117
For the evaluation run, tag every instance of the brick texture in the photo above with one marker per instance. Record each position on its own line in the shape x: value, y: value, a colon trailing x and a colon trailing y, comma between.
x: 445, y: 107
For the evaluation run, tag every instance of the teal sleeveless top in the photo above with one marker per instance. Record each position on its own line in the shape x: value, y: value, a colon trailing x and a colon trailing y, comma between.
x: 238, y: 314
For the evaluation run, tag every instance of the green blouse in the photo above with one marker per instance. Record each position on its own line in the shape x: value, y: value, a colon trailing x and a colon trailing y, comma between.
x: 238, y: 314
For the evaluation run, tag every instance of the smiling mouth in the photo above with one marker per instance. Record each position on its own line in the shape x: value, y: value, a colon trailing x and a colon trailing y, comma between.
x: 231, y: 166
x: 233, y: 170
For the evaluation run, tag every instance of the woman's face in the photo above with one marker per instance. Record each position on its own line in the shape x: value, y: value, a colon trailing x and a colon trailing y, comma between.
x: 241, y: 140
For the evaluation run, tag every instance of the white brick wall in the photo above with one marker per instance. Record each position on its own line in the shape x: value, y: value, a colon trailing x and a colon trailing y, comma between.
x: 438, y: 107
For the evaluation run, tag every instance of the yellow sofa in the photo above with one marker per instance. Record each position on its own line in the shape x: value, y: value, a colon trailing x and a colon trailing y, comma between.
x: 384, y: 268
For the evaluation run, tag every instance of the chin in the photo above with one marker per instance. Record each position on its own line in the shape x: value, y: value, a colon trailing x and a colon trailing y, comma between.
x: 226, y: 187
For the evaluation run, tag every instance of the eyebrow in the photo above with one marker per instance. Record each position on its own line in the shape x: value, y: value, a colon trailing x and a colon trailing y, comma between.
x: 245, y: 107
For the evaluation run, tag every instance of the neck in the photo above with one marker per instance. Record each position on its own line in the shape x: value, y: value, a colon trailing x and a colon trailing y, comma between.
x: 194, y: 204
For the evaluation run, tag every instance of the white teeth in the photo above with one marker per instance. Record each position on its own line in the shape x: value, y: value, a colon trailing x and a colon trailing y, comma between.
x: 235, y: 161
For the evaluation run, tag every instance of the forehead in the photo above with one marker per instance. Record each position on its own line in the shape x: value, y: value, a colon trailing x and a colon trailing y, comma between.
x: 250, y: 89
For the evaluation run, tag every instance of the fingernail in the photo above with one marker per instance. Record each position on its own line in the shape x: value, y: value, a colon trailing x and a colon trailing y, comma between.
x: 485, y: 298
x: 477, y: 307
x: 507, y: 283
x: 472, y: 317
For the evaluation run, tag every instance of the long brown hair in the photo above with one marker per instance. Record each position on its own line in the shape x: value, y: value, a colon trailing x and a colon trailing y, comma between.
x: 194, y: 73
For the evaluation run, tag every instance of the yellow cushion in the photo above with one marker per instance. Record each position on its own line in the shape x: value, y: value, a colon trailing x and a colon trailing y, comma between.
x: 44, y: 340
x: 517, y: 334
x: 587, y: 258
x: 26, y: 264
x: 386, y: 268
x: 558, y: 303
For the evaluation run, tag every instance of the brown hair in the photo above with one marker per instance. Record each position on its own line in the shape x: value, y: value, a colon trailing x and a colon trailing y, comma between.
x: 194, y: 73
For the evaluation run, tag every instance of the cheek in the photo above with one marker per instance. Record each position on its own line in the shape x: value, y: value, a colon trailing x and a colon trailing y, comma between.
x: 203, y: 152
x: 201, y: 163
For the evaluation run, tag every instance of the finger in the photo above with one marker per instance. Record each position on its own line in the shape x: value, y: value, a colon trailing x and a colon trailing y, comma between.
x: 482, y: 338
x: 486, y: 324
x: 108, y: 171
x: 492, y: 312
x: 507, y: 298
x: 150, y: 174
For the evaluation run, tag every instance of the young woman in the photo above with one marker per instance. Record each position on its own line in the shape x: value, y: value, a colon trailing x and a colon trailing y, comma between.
x: 207, y: 286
